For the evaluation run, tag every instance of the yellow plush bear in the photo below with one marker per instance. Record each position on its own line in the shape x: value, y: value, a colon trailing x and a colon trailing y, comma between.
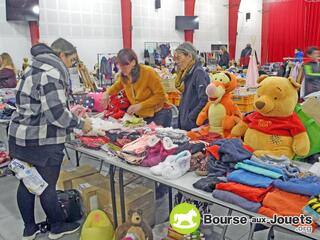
x: 274, y: 128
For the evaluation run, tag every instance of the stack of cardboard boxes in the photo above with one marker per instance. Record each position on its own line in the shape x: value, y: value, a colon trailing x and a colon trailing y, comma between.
x: 96, y: 194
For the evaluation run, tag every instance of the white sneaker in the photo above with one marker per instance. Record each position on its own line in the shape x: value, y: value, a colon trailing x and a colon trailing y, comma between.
x: 157, y: 170
x: 179, y: 167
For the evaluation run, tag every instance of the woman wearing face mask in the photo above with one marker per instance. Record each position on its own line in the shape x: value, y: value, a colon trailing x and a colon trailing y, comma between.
x: 192, y: 82
x: 143, y: 88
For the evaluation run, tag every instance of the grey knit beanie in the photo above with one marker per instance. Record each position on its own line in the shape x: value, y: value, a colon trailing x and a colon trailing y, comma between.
x: 187, y: 48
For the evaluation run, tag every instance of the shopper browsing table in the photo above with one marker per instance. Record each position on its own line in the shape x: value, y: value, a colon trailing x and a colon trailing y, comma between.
x: 7, y: 72
x: 143, y: 88
x: 312, y: 71
x: 39, y: 128
x: 192, y: 82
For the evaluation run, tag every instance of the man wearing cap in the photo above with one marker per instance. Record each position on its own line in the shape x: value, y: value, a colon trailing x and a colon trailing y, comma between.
x: 191, y: 81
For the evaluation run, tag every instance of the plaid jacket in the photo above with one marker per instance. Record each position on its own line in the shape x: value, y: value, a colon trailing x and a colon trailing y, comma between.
x: 42, y: 116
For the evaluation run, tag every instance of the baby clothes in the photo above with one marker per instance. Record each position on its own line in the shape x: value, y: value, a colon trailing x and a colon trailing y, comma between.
x: 278, y: 202
x: 281, y: 165
x: 176, y: 135
x: 236, y: 200
x: 134, y: 122
x: 249, y: 178
x: 93, y: 142
x: 207, y: 184
x: 250, y: 193
x: 158, y: 150
x: 138, y: 146
x: 309, y: 186
x: 258, y: 170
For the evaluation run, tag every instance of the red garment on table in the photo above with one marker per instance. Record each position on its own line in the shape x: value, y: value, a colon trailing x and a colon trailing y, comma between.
x: 93, y: 142
x: 117, y: 106
x: 251, y: 193
x: 214, y: 151
x: 204, y: 135
x: 283, y: 203
x: 281, y: 126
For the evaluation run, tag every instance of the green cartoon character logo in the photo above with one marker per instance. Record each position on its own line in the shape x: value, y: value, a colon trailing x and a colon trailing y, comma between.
x: 185, y: 218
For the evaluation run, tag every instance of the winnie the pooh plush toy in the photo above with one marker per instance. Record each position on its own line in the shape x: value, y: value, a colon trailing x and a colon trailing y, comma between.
x: 135, y: 228
x: 221, y: 111
x: 274, y: 129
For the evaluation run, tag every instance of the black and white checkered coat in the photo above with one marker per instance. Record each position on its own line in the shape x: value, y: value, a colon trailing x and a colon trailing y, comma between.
x: 42, y: 116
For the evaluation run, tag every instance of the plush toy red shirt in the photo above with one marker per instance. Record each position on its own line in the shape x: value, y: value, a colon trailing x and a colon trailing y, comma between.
x: 280, y: 126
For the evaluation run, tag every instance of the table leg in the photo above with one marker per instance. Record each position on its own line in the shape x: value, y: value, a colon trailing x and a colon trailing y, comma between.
x: 251, y: 232
x: 67, y: 153
x: 121, y: 193
x: 113, y: 196
x: 77, y: 158
x: 225, y: 227
x: 170, y: 199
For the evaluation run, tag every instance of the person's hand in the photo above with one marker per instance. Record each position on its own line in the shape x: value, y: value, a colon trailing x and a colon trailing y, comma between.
x: 134, y: 109
x: 87, y: 126
x: 105, y: 100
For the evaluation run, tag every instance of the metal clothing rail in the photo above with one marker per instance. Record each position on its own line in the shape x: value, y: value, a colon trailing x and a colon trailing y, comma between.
x: 183, y: 184
x: 99, y: 57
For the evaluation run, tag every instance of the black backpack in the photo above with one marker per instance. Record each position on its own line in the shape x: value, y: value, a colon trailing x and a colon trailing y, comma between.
x: 71, y: 204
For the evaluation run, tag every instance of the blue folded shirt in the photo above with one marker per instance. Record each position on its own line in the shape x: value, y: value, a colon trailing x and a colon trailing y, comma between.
x: 249, y: 178
x: 309, y: 186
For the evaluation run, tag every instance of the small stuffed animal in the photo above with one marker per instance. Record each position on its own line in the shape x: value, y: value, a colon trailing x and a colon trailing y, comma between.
x: 221, y: 111
x: 274, y: 129
x: 134, y: 228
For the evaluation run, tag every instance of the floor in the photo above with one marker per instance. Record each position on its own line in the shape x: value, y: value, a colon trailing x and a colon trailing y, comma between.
x: 11, y: 225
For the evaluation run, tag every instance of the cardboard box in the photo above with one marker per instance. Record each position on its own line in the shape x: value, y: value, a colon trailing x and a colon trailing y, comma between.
x: 136, y: 197
x: 66, y: 176
x: 95, y: 191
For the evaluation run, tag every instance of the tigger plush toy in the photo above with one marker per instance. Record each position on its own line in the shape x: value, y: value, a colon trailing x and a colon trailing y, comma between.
x: 222, y: 113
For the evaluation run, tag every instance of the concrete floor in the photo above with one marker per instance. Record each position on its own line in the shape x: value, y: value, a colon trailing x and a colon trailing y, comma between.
x: 11, y: 225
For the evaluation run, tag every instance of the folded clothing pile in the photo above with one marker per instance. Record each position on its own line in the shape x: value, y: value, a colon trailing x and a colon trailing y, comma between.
x: 122, y: 137
x: 236, y: 200
x: 278, y: 164
x: 278, y: 202
x: 99, y: 127
x: 203, y: 134
x: 250, y: 193
x: 117, y: 106
x: 224, y: 154
x: 176, y: 135
x: 93, y: 142
x: 174, y: 166
x: 158, y: 150
x: 308, y: 186
x: 134, y: 122
x: 135, y: 151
